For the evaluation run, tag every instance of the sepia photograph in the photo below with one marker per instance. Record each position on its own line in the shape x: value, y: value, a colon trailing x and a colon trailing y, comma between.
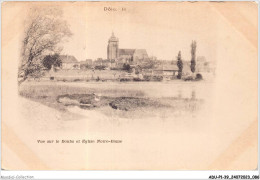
x: 129, y: 86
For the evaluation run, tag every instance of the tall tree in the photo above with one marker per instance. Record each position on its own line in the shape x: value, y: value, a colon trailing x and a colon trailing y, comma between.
x: 180, y: 65
x: 44, y: 33
x: 193, y: 56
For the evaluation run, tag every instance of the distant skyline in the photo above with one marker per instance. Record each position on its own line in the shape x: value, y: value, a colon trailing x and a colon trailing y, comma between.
x: 162, y: 30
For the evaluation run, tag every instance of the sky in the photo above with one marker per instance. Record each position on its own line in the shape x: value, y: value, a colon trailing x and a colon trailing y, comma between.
x: 162, y: 28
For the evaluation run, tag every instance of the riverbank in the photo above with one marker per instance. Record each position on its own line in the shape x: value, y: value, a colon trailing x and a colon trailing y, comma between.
x: 134, y: 99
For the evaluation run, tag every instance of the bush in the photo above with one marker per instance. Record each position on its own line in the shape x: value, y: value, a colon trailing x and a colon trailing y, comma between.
x: 116, y: 68
x: 137, y: 79
x: 157, y: 78
x: 179, y: 76
x: 51, y: 60
x: 198, y: 77
x: 147, y: 78
x: 100, y: 67
x: 188, y: 78
x: 76, y: 80
x: 124, y: 79
x: 126, y: 67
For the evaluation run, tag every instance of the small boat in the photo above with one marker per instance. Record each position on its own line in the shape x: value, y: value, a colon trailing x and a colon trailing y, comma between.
x: 86, y: 105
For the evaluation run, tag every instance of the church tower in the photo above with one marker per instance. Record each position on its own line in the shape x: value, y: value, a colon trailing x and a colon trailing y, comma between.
x: 112, y: 47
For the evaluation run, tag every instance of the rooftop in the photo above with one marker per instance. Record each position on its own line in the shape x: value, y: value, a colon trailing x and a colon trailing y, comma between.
x: 68, y: 59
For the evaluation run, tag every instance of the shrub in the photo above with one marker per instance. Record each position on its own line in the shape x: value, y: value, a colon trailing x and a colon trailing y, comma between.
x: 52, y: 60
x: 137, y: 79
x: 126, y: 67
x: 188, y: 78
x: 100, y: 67
x: 124, y: 79
x: 198, y: 77
x: 157, y: 78
x: 147, y: 78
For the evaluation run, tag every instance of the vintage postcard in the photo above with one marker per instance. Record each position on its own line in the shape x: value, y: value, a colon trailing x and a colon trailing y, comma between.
x: 129, y: 86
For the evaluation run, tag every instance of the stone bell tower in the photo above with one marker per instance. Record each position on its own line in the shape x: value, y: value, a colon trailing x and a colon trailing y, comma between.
x: 112, y: 48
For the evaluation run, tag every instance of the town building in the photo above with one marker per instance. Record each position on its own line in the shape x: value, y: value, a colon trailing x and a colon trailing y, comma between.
x: 167, y: 71
x: 87, y: 64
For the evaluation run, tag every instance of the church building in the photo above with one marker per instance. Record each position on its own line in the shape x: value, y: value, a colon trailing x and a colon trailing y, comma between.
x: 131, y: 56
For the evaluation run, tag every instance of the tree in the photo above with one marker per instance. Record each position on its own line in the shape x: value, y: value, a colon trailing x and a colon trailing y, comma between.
x: 44, y: 32
x: 180, y: 65
x: 51, y: 60
x: 193, y: 56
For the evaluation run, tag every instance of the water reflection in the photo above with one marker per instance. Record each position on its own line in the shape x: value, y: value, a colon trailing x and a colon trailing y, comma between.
x: 193, y: 95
